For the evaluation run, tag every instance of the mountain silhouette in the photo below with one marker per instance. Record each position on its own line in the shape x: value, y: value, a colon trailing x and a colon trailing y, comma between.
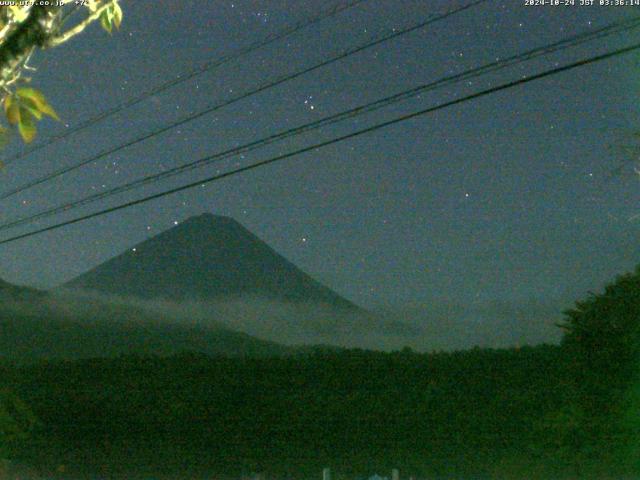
x: 206, y: 257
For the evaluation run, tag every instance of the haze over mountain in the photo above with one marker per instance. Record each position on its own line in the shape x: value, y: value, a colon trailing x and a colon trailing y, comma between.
x: 216, y: 270
x: 206, y: 257
x: 42, y: 325
x: 209, y: 285
x: 211, y: 269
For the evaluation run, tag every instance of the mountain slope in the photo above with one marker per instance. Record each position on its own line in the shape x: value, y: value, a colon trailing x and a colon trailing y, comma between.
x: 33, y: 337
x: 40, y: 325
x: 206, y: 258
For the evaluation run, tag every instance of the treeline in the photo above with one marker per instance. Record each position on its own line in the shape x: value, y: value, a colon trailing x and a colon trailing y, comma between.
x: 468, y: 413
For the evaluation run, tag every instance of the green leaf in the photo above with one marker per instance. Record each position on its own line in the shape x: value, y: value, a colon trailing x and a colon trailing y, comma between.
x: 12, y: 110
x: 26, y: 126
x: 24, y: 108
x: 111, y: 16
x: 32, y: 109
x: 35, y: 100
x: 117, y: 15
x: 105, y: 20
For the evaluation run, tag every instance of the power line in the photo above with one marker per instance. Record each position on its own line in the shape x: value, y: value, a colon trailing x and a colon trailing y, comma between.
x: 360, y: 110
x: 268, y: 85
x: 211, y: 65
x: 316, y: 146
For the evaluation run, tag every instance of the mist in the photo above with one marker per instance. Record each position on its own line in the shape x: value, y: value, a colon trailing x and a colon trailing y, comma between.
x: 443, y: 326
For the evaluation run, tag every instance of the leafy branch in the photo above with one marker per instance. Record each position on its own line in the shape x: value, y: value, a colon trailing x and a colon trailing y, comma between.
x: 25, y: 29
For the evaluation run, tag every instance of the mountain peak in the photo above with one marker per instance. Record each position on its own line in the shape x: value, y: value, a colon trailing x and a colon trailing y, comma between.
x: 206, y: 257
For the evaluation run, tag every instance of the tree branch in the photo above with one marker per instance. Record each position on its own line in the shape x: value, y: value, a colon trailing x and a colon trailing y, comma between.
x: 72, y: 32
x: 31, y: 34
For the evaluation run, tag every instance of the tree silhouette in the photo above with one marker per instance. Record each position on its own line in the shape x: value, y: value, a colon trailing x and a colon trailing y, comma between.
x: 602, y: 342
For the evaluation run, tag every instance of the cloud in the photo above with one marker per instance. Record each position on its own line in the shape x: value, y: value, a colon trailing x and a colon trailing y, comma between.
x: 437, y: 326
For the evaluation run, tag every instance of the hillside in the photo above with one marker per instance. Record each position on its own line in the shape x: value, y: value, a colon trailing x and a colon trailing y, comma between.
x: 40, y: 325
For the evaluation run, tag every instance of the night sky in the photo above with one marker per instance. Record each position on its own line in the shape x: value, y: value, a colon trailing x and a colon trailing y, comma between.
x: 505, y: 199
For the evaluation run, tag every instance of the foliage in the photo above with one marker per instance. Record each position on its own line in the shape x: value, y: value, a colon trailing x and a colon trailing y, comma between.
x: 602, y: 343
x: 24, y: 107
x: 27, y: 27
x: 111, y: 17
x: 427, y: 414
x: 16, y: 422
x: 480, y: 413
x: 603, y: 336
